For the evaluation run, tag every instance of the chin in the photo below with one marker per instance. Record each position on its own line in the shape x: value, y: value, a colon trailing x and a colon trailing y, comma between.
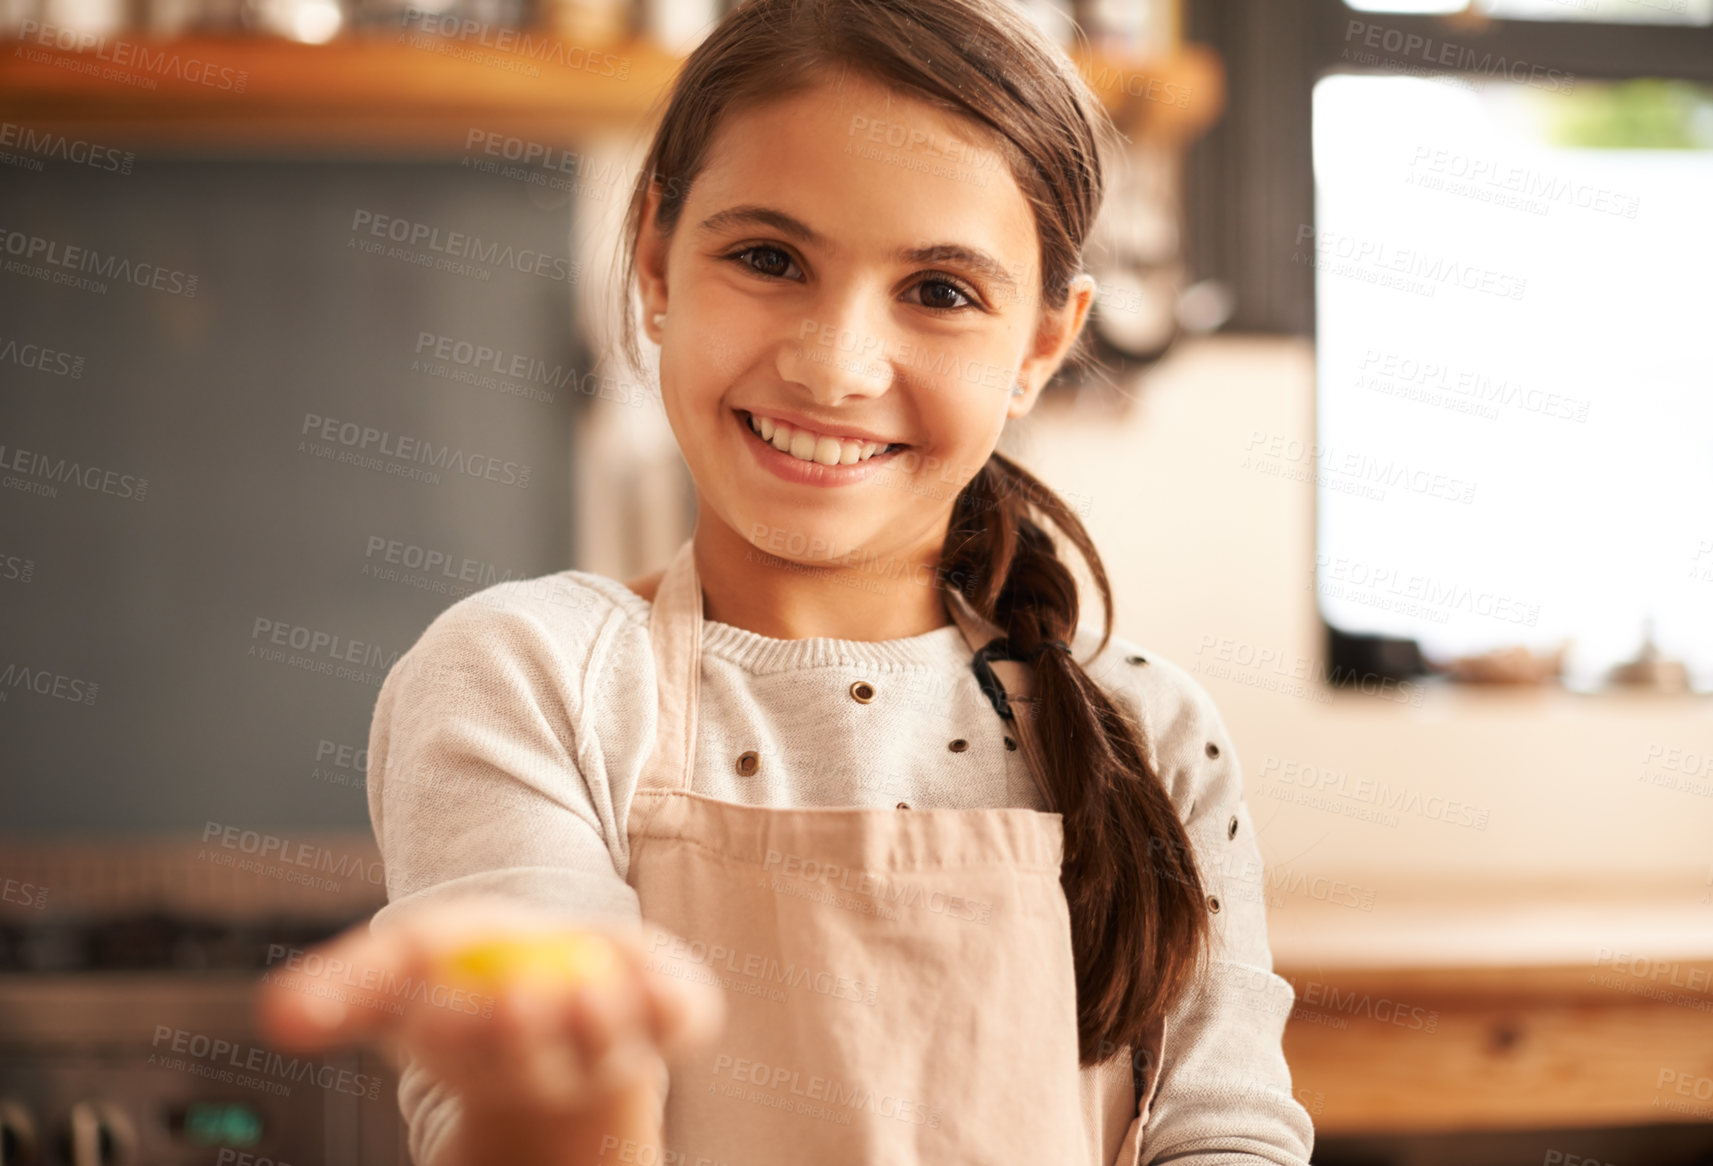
x: 822, y: 539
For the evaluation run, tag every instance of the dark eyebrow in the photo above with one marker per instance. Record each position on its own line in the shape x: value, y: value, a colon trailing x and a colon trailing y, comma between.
x: 972, y: 257
x: 738, y: 216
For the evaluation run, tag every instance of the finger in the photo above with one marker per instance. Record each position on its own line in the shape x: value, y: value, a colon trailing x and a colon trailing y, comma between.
x: 492, y: 1055
x: 686, y: 1014
x: 589, y: 1037
x: 544, y: 1034
x: 683, y: 1012
x: 611, y: 1014
x: 364, y: 984
x: 334, y: 994
x: 553, y: 1048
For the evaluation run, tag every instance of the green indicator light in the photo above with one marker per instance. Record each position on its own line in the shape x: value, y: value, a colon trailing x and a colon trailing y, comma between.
x: 222, y: 1124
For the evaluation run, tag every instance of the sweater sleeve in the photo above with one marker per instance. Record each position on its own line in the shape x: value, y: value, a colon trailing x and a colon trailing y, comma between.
x: 478, y: 782
x: 1223, y: 1093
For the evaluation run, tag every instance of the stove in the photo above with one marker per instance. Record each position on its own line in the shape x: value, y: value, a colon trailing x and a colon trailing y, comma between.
x: 128, y: 1034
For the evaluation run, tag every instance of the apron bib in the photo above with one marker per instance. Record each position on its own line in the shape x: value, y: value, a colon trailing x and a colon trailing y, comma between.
x: 900, y: 984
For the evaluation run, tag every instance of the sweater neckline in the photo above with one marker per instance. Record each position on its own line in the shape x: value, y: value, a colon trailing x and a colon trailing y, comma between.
x: 761, y: 654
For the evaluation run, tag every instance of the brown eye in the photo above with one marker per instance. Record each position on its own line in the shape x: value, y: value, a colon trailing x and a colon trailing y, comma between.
x: 938, y: 293
x: 773, y: 262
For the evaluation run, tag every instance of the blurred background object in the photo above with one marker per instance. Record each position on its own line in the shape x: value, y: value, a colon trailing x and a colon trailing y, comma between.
x: 1398, y: 440
x: 1512, y: 665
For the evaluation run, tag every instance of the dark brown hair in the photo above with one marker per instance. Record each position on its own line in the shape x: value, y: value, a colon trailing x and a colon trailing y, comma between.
x: 1138, y: 922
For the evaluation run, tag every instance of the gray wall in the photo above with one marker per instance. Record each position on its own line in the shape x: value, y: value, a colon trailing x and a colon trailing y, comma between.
x: 156, y: 601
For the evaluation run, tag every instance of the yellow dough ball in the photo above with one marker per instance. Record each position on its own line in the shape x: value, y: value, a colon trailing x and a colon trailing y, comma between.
x: 567, y: 956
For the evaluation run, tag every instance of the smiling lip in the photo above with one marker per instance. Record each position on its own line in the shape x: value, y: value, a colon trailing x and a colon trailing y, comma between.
x: 813, y: 426
x: 783, y: 465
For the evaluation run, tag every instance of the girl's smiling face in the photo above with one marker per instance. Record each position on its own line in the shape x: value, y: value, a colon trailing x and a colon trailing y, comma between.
x: 866, y: 306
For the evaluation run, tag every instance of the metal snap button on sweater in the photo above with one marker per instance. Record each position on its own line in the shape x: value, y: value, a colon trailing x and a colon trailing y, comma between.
x: 957, y: 917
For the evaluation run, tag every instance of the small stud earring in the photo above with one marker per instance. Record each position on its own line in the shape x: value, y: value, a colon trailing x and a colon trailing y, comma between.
x: 659, y: 319
x: 1017, y: 389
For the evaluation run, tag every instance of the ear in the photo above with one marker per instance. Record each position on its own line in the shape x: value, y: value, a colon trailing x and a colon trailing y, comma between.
x: 1056, y: 332
x: 651, y: 248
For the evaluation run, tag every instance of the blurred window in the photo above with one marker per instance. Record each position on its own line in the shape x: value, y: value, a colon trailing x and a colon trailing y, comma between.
x: 1515, y: 420
x: 1492, y: 216
x: 1603, y: 11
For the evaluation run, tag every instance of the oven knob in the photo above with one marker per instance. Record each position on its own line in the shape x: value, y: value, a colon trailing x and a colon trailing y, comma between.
x: 17, y: 1135
x: 101, y: 1135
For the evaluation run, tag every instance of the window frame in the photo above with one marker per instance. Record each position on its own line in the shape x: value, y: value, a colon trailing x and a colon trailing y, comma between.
x: 1249, y: 181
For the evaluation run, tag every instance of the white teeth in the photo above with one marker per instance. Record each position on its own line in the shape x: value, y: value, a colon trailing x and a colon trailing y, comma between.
x: 809, y: 446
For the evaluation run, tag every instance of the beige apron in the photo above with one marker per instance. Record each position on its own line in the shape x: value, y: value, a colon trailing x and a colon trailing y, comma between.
x: 900, y: 983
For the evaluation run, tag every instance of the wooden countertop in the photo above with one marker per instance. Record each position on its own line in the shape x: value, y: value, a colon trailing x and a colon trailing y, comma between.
x: 1493, y: 923
x: 1501, y: 1005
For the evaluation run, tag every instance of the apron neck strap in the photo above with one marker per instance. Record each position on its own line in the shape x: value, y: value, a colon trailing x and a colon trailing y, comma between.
x: 675, y: 632
x: 978, y: 631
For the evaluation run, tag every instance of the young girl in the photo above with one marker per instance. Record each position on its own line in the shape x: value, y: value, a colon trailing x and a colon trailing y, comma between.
x: 903, y: 864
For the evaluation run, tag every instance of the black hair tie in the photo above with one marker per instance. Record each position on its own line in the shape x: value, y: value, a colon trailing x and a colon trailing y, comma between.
x: 1032, y: 653
x: 1000, y: 649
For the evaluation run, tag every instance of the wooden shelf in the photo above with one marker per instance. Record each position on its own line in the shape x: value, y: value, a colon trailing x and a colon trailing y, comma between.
x: 411, y: 94
x: 416, y: 93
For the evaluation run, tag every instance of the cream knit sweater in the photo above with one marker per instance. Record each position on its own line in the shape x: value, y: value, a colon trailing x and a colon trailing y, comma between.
x: 507, y: 743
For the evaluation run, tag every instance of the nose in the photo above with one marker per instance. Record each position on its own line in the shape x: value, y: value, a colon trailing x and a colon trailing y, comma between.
x: 839, y: 353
